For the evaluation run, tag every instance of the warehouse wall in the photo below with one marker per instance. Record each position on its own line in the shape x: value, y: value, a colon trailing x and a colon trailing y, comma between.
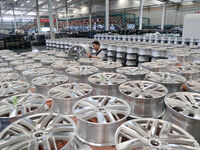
x: 174, y: 16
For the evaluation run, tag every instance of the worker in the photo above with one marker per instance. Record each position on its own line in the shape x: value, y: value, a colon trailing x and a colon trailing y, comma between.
x: 99, y: 52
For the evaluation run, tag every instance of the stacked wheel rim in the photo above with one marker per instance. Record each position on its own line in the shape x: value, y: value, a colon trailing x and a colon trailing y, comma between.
x: 145, y: 98
x: 152, y: 134
x: 101, y: 115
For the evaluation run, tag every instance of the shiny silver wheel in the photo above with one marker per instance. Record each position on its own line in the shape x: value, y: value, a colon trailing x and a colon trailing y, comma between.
x: 39, y: 132
x: 66, y: 95
x: 30, y: 74
x: 2, y: 65
x: 76, y: 52
x: 87, y: 61
x: 12, y: 88
x: 171, y: 81
x: 6, y: 70
x: 80, y: 74
x: 187, y: 72
x: 107, y: 83
x: 183, y: 109
x: 133, y: 73
x: 60, y: 66
x: 153, y: 134
x: 44, y: 83
x: 15, y: 107
x: 168, y: 62
x: 146, y: 98
x: 154, y: 66
x: 101, y: 115
x: 193, y: 86
x: 8, y: 77
x: 106, y: 66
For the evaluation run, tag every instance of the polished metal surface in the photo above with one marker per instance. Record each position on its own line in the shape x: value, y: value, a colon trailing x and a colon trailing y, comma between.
x: 158, y: 52
x: 44, y: 83
x: 60, y: 66
x: 154, y: 66
x: 6, y: 70
x: 12, y: 88
x: 87, y: 61
x: 107, y: 83
x: 66, y: 95
x: 145, y: 98
x: 153, y: 134
x: 8, y: 77
x: 144, y: 50
x: 183, y: 109
x: 187, y: 72
x: 106, y: 66
x: 43, y: 131
x: 171, y: 81
x: 168, y: 62
x: 98, y: 117
x: 80, y: 74
x: 30, y: 74
x: 3, y: 65
x: 144, y: 58
x: 18, y: 106
x: 21, y: 68
x: 76, y: 52
x: 133, y: 73
x: 193, y: 85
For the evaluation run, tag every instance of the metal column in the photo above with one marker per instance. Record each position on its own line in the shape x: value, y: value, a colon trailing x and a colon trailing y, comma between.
x: 2, y: 23
x: 15, y: 24
x: 38, y: 17
x: 90, y: 14
x: 141, y: 15
x: 57, y: 21
x: 51, y: 23
x: 66, y: 6
x: 163, y: 16
x: 107, y: 15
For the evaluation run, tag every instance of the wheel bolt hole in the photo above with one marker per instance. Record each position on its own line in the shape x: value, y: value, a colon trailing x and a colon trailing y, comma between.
x: 154, y: 143
x: 39, y: 134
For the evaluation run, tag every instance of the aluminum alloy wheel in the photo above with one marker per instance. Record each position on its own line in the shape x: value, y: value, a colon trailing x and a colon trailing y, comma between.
x: 6, y: 70
x: 66, y: 95
x: 168, y: 62
x: 187, y: 72
x: 12, y: 88
x: 183, y: 109
x: 153, y: 134
x: 44, y: 83
x: 15, y: 107
x: 144, y: 51
x: 106, y: 66
x: 144, y: 58
x: 29, y: 74
x: 21, y: 68
x: 193, y: 85
x: 80, y: 74
x: 60, y: 66
x: 2, y: 65
x: 158, y: 52
x: 154, y: 66
x: 8, y: 77
x: 145, y: 98
x: 48, y: 61
x: 86, y: 61
x: 52, y: 53
x: 133, y: 73
x: 107, y: 83
x: 15, y: 63
x: 101, y: 115
x: 76, y: 52
x: 171, y: 81
x: 43, y: 131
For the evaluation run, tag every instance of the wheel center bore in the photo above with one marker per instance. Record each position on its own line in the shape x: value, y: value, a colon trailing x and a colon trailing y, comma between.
x: 154, y: 143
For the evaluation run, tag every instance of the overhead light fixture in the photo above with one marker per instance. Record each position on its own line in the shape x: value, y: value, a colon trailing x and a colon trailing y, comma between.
x: 15, y: 0
x: 58, y: 0
x: 28, y: 1
x: 22, y: 4
x: 69, y: 1
x: 39, y: 2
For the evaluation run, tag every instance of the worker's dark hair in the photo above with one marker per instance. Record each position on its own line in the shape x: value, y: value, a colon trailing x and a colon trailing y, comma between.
x: 96, y: 43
